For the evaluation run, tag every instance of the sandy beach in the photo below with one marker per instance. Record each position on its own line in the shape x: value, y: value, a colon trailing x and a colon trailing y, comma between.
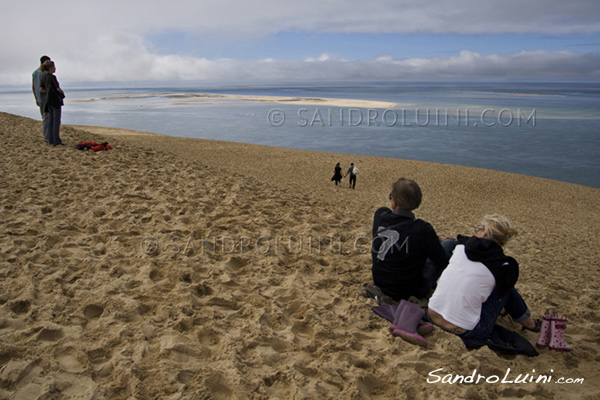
x: 210, y: 98
x: 173, y: 268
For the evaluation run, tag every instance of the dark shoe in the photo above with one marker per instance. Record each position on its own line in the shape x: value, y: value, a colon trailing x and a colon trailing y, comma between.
x: 425, y: 328
x: 536, y: 328
x: 374, y: 292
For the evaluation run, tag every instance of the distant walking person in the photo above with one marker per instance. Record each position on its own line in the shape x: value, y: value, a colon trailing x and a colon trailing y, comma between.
x: 337, y: 174
x: 53, y: 104
x: 352, y: 171
x: 40, y: 98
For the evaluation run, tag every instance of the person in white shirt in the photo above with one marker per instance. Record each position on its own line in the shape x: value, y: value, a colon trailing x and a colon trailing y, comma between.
x: 479, y: 282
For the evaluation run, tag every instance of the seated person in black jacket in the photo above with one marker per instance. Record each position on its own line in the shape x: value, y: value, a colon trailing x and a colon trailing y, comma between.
x: 408, y: 257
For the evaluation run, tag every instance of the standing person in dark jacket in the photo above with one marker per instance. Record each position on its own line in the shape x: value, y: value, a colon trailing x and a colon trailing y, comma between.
x: 53, y: 104
x: 408, y: 257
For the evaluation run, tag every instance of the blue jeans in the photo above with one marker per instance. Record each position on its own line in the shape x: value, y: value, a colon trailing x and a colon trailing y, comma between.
x: 512, y: 302
x: 44, y: 124
x: 52, y: 124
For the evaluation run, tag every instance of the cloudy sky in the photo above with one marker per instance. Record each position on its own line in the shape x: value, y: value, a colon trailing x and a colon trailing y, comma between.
x: 241, y: 41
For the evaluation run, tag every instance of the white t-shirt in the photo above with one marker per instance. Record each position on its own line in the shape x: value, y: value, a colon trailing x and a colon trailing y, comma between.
x: 462, y: 288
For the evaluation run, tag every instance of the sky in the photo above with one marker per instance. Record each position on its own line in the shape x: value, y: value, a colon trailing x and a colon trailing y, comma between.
x: 284, y: 41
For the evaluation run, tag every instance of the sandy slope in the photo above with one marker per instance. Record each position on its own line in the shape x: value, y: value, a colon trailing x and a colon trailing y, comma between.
x: 187, y: 269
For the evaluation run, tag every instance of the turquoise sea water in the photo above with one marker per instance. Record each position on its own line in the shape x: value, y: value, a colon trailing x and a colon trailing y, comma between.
x: 539, y: 129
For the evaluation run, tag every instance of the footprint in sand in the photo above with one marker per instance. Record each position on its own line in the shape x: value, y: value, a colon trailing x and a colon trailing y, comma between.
x: 156, y: 275
x: 210, y: 341
x: 185, y: 376
x: 20, y: 306
x: 98, y: 355
x: 50, y: 334
x: 184, y: 325
x: 5, y: 357
x: 297, y: 309
x: 69, y: 360
x: 235, y: 264
x: 201, y: 290
x: 276, y: 322
x: 279, y: 345
x: 305, y: 370
x: 186, y: 277
x: 370, y: 385
x: 218, y: 386
x: 303, y: 333
x: 93, y: 311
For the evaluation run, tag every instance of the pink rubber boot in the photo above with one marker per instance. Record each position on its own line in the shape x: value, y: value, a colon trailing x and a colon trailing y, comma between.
x: 408, y: 322
x: 557, y: 337
x: 545, y: 333
x: 424, y: 328
x: 397, y: 314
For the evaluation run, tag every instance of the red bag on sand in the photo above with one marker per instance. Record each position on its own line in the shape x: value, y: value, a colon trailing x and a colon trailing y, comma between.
x: 93, y: 146
x: 101, y: 147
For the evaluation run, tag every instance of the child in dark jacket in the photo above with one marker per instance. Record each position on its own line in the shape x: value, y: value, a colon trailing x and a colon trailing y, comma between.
x: 407, y: 255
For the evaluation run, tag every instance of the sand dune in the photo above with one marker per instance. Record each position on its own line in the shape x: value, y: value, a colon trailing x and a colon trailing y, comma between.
x: 189, y: 269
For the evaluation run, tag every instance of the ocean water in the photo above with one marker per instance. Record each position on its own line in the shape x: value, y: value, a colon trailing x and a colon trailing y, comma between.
x: 538, y: 129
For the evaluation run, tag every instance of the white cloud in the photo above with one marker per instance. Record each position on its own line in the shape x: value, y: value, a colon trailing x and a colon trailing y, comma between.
x: 107, y: 40
x: 467, y: 64
x: 323, y: 57
x: 129, y: 60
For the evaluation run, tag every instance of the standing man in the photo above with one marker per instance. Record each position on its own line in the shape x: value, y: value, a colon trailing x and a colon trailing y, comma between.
x: 40, y: 98
x: 352, y: 171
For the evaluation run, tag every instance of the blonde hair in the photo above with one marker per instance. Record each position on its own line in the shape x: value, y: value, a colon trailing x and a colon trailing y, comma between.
x: 498, y: 228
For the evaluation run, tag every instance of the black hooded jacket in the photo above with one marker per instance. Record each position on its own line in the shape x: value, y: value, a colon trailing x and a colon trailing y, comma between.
x: 401, y: 245
x: 504, y: 268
